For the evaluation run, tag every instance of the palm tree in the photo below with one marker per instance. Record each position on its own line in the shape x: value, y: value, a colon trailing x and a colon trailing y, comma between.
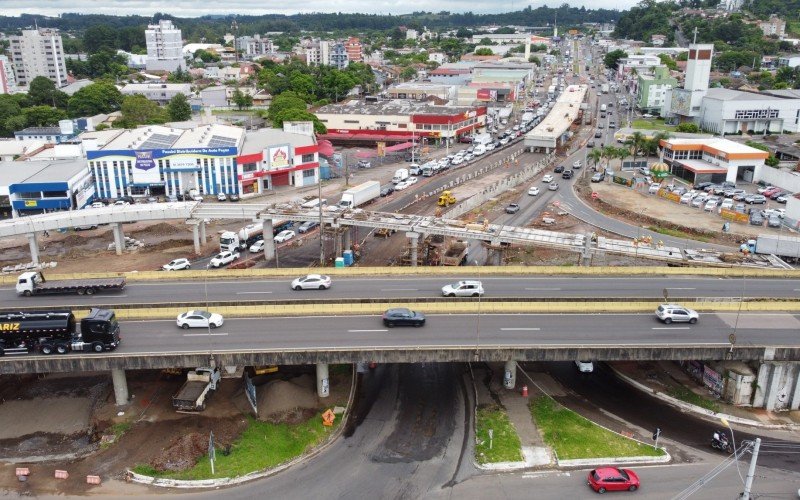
x: 595, y: 155
x: 651, y: 145
x: 635, y: 142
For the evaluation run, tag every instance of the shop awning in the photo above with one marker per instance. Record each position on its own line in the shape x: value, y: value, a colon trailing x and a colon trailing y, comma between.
x: 325, y: 148
x: 336, y: 136
x: 400, y: 147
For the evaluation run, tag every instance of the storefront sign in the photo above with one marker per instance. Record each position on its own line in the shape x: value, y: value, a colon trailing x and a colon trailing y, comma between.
x: 144, y: 160
x: 279, y: 157
x: 183, y: 164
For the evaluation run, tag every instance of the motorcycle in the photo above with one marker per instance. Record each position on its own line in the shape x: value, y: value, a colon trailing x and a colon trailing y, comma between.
x: 720, y: 441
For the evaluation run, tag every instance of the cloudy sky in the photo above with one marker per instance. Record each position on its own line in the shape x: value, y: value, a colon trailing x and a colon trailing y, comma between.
x: 194, y: 8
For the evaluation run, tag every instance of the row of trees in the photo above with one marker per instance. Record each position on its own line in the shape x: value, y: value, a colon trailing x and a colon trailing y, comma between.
x: 637, y: 146
x: 315, y: 84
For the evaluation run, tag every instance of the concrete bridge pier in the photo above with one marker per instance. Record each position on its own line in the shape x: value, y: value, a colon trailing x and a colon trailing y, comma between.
x: 510, y: 374
x: 120, y: 386
x: 347, y: 238
x: 34, y: 246
x: 323, y: 381
x: 269, y: 242
x: 203, y: 239
x: 414, y: 238
x: 119, y: 237
x: 196, y: 238
x: 778, y: 386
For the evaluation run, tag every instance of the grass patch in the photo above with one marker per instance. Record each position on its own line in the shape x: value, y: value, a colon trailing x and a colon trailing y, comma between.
x: 574, y: 437
x: 678, y: 234
x: 685, y: 394
x: 654, y: 124
x: 793, y: 28
x: 505, y: 441
x: 262, y: 445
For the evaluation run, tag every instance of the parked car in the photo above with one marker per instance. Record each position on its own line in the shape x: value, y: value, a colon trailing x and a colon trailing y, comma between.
x: 412, y: 180
x: 768, y: 191
x: 512, y: 208
x: 699, y: 200
x: 258, y: 246
x: 307, y: 226
x: 465, y: 288
x: 222, y: 197
x: 739, y: 207
x: 223, y: 258
x: 401, y: 316
x: 686, y: 198
x: 782, y: 199
x: 711, y: 204
x: 727, y: 203
x: 741, y: 196
x: 547, y: 178
x: 703, y: 185
x: 654, y: 187
x: 756, y: 199
x: 233, y: 197
x: 598, y: 177
x: 533, y: 191
x: 669, y: 313
x: 312, y: 282
x: 284, y: 236
x: 199, y: 319
x: 364, y: 164
x: 777, y: 194
x: 774, y: 221
x: 177, y: 265
x: 756, y: 219
x: 605, y: 479
x: 764, y: 188
x: 779, y: 212
x: 584, y: 366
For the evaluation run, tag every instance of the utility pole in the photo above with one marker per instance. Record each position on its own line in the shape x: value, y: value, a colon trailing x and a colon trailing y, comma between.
x: 748, y: 484
x: 235, y: 29
x: 319, y: 199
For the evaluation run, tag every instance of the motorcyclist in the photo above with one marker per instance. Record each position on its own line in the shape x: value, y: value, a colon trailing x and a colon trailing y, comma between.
x: 720, y: 440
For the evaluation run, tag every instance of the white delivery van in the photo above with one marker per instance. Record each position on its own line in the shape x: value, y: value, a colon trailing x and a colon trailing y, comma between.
x: 400, y: 175
x: 479, y: 150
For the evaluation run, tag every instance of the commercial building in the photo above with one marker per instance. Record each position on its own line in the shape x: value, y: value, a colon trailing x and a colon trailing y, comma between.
x: 726, y: 111
x: 53, y: 135
x: 164, y: 47
x: 209, y: 159
x: 8, y: 82
x: 652, y: 90
x: 420, y: 91
x: 38, y: 52
x: 44, y: 186
x: 158, y: 92
x: 399, y: 121
x: 713, y: 159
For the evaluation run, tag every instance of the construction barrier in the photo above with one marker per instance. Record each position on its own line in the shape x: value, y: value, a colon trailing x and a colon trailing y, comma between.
x: 22, y: 471
x: 92, y: 479
x: 62, y: 474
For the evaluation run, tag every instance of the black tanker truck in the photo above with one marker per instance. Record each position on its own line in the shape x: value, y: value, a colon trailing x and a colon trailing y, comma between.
x: 56, y: 331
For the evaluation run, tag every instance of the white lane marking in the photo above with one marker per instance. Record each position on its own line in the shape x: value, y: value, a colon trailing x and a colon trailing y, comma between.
x: 247, y: 293
x: 205, y: 334
x: 672, y: 328
x: 364, y: 331
x: 399, y: 290
x: 520, y: 329
x: 673, y: 288
x: 542, y: 289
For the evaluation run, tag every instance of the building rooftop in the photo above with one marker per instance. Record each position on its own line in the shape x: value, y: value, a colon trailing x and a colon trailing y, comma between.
x: 737, y: 95
x: 392, y: 107
x: 9, y: 147
x: 786, y: 93
x: 40, y: 131
x: 40, y: 171
x: 210, y: 136
x: 714, y: 143
x: 259, y: 140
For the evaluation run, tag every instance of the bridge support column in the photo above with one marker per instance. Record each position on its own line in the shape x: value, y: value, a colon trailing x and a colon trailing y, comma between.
x: 203, y: 232
x: 196, y: 238
x: 586, y: 255
x: 347, y: 239
x: 510, y: 374
x: 323, y: 382
x: 774, y: 387
x: 119, y: 237
x: 269, y: 242
x: 34, y: 246
x: 414, y: 237
x: 777, y: 386
x: 120, y: 386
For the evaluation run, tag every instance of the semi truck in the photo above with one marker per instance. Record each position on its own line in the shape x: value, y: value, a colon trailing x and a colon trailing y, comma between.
x: 56, y: 331
x: 551, y: 91
x: 195, y: 391
x: 360, y: 195
x: 785, y: 247
x: 34, y: 283
x: 231, y: 241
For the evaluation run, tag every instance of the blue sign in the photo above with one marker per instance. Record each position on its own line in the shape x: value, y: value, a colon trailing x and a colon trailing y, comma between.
x: 144, y: 160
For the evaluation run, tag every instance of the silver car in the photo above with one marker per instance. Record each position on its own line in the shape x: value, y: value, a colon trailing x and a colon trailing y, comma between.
x: 669, y: 313
x: 465, y: 288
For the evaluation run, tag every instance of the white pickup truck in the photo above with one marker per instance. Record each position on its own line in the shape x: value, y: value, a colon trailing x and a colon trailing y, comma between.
x: 223, y: 258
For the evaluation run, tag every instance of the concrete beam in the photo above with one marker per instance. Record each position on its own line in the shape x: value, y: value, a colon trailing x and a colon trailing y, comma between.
x: 323, y: 381
x: 119, y: 237
x: 120, y: 386
x: 269, y: 242
x: 34, y: 246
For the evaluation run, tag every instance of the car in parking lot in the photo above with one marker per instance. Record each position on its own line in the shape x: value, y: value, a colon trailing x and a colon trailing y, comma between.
x: 727, y: 203
x: 699, y: 200
x: 774, y: 221
x: 741, y: 196
x: 669, y: 313
x: 782, y: 199
x: 654, y: 187
x: 312, y: 282
x: 686, y: 198
x: 401, y: 316
x: 512, y: 209
x: 284, y: 235
x: 199, y: 319
x: 567, y: 174
x: 177, y: 265
x: 777, y: 194
x: 598, y: 177
x: 553, y: 186
x: 756, y: 219
x: 779, y: 212
x: 711, y: 204
x: 547, y: 178
x: 221, y: 197
x: 464, y: 288
x: 769, y: 190
x: 731, y: 192
x: 533, y: 191
x: 756, y: 199
x: 307, y: 226
x: 605, y: 479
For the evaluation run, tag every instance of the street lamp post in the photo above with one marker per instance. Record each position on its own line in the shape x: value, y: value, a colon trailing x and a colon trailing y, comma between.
x: 319, y: 199
x: 478, y: 322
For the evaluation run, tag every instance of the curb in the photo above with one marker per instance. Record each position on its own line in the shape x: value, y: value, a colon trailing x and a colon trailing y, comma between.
x: 591, y: 462
x: 697, y: 409
x: 228, y: 481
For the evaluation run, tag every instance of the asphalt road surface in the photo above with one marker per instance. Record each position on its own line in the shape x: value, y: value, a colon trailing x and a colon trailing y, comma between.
x: 517, y: 330
x: 241, y: 290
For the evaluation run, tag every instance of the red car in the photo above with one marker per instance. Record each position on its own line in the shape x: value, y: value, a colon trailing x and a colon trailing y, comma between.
x: 613, y: 479
x: 769, y: 192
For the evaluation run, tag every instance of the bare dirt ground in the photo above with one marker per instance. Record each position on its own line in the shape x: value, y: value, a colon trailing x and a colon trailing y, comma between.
x: 81, y: 415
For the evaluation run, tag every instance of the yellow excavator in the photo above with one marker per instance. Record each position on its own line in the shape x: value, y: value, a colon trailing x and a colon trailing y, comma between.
x: 446, y: 199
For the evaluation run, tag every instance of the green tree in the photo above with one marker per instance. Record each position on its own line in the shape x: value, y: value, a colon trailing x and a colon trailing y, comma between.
x: 635, y: 143
x: 9, y: 108
x: 688, y: 127
x: 43, y: 116
x: 408, y: 73
x: 242, y: 100
x: 611, y: 60
x: 138, y: 110
x: 95, y: 99
x: 295, y: 115
x: 484, y: 51
x: 283, y: 102
x: 596, y: 155
x: 100, y: 37
x: 179, y: 108
x: 179, y: 76
x: 667, y: 61
x: 207, y: 56
x: 43, y: 92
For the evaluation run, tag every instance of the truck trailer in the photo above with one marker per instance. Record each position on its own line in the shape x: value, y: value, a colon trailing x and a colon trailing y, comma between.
x: 195, y: 391
x: 56, y: 331
x: 231, y: 241
x: 785, y: 247
x: 360, y: 195
x: 34, y: 283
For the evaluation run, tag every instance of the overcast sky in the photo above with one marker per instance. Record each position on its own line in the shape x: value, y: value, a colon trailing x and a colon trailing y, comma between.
x: 194, y: 8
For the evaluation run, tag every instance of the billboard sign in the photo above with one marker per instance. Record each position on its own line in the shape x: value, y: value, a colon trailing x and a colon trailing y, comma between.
x: 278, y: 157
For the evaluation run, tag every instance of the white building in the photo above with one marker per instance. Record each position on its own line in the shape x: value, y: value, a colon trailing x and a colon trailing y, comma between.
x: 437, y: 57
x: 164, y: 47
x: 726, y: 111
x: 8, y: 82
x: 318, y: 53
x: 254, y: 46
x: 685, y: 102
x: 411, y: 34
x: 790, y: 61
x: 158, y: 92
x: 38, y: 52
x: 713, y: 159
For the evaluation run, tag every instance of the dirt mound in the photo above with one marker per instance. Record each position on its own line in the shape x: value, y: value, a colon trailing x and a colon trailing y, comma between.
x: 168, y: 244
x: 160, y: 229
x: 284, y: 401
x: 73, y: 240
x: 183, y: 452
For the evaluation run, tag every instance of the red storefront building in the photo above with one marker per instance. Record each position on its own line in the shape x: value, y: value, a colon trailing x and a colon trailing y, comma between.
x: 271, y: 157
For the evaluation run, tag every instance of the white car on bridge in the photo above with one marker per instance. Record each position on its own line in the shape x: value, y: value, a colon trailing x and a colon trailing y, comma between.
x: 199, y: 319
